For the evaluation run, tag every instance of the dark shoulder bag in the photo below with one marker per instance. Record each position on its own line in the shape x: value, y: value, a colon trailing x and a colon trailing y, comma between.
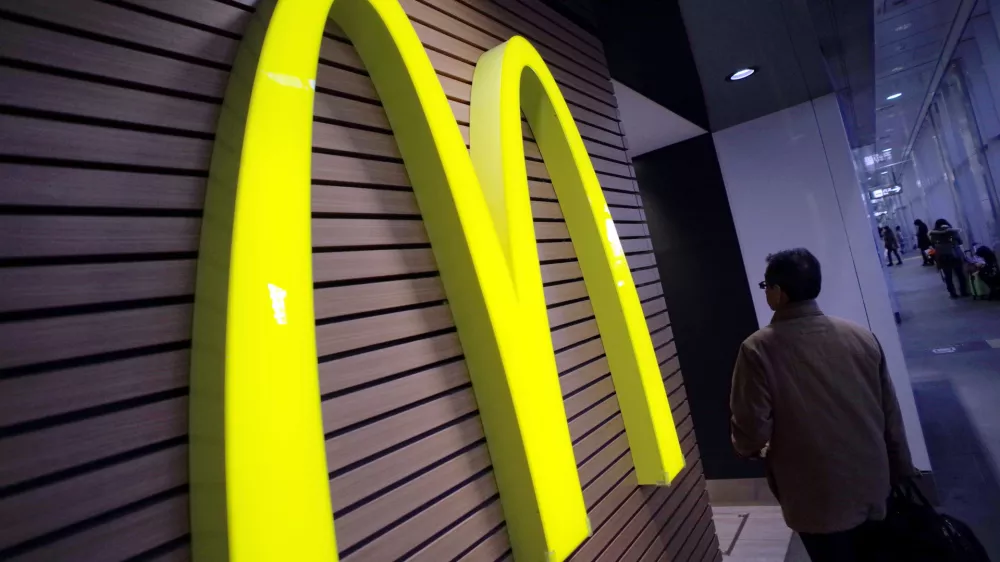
x: 918, y: 533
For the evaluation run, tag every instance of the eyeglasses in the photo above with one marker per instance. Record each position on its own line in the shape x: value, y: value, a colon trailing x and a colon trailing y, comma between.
x: 762, y: 284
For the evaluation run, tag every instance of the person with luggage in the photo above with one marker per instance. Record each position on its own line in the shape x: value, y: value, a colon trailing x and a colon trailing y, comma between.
x: 989, y: 271
x: 891, y: 246
x: 812, y: 397
x: 923, y: 241
x: 948, y: 254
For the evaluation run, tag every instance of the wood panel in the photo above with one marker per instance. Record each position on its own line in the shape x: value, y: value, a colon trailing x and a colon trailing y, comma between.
x: 107, y: 116
x: 106, y: 126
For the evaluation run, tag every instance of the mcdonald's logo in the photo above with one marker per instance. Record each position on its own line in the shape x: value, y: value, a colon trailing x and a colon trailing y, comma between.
x: 259, y: 481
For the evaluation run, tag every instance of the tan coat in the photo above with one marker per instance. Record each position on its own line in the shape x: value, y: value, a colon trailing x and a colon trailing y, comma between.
x: 816, y: 389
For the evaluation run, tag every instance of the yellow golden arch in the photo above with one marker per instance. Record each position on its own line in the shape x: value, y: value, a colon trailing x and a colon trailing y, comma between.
x: 259, y: 481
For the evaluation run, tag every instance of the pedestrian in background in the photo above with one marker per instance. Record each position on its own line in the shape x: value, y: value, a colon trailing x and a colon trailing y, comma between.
x: 923, y: 241
x: 891, y: 246
x: 949, y: 256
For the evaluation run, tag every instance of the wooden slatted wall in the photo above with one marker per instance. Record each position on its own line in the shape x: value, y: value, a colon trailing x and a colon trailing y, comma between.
x: 107, y: 113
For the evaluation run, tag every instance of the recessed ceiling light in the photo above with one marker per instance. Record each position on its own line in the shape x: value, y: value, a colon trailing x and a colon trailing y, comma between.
x: 894, y: 96
x: 897, y: 69
x: 741, y: 74
x: 903, y: 27
x: 885, y: 173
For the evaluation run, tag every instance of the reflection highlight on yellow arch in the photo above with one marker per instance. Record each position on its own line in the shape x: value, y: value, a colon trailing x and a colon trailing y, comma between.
x: 258, y: 471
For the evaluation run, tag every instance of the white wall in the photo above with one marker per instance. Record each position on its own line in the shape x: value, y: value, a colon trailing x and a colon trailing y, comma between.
x: 791, y: 183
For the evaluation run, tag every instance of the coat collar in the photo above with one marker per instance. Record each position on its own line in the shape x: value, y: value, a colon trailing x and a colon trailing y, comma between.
x: 797, y: 310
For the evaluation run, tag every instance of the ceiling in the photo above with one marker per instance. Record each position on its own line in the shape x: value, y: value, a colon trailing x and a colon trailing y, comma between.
x: 777, y: 36
x: 910, y: 37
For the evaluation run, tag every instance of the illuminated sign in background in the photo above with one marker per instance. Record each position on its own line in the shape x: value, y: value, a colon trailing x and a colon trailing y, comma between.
x: 258, y: 471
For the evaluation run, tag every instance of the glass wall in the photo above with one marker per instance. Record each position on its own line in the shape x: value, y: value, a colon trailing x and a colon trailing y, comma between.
x: 956, y: 154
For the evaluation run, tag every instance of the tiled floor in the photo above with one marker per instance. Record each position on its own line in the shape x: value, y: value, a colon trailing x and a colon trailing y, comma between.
x: 957, y: 393
x: 752, y: 533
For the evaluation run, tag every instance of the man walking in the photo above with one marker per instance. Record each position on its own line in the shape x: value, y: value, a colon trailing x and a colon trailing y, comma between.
x: 812, y: 396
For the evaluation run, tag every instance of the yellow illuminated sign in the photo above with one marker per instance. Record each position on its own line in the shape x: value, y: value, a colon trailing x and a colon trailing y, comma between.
x: 258, y: 472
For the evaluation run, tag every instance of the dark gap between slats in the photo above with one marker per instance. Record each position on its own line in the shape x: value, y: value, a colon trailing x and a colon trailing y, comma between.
x: 591, y: 406
x: 604, y: 422
x: 236, y: 4
x: 61, y: 117
x: 505, y: 556
x: 676, y: 390
x: 406, y: 443
x: 489, y: 534
x: 555, y: 261
x: 643, y: 268
x: 41, y: 261
x: 610, y: 464
x: 692, y: 532
x: 586, y: 386
x: 382, y: 345
x: 686, y: 433
x: 165, y: 548
x: 348, y: 215
x: 368, y: 280
x: 90, y: 466
x: 345, y: 95
x: 356, y: 155
x: 89, y: 165
x: 372, y: 313
x: 388, y: 216
x: 172, y: 18
x: 648, y: 283
x: 109, y: 40
x: 110, y: 81
x: 407, y: 479
x: 599, y: 425
x: 581, y: 365
x: 407, y: 516
x: 683, y: 480
x: 373, y: 186
x: 395, y: 411
x: 373, y: 247
x: 94, y: 411
x: 557, y: 304
x: 606, y: 493
x: 24, y: 370
x: 563, y: 282
x: 547, y: 219
x: 658, y: 330
x: 92, y: 308
x: 671, y: 518
x: 21, y: 210
x: 465, y: 516
x: 577, y: 344
x: 349, y: 125
x: 605, y: 445
x: 390, y: 378
x: 572, y: 323
x: 90, y: 523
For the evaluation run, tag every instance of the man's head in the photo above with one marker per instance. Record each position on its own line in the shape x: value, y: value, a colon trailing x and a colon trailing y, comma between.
x: 791, y: 276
